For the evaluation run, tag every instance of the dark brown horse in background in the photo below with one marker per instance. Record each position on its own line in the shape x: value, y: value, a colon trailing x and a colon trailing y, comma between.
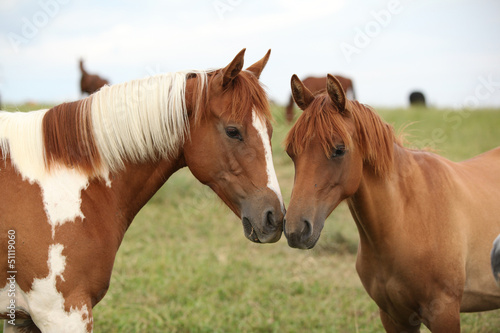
x: 90, y: 83
x: 417, y: 98
x: 317, y: 84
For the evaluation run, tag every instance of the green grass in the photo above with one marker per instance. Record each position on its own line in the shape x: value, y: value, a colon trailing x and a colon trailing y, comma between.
x: 185, y: 265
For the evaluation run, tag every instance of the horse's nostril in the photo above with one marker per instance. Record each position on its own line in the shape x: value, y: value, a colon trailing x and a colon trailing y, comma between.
x: 247, y: 226
x: 270, y: 222
x: 308, y: 230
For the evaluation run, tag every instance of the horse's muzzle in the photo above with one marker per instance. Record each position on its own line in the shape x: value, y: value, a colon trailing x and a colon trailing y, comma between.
x: 301, y: 237
x: 266, y: 229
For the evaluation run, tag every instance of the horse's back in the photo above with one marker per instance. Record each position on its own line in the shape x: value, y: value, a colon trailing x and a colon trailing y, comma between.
x: 481, y: 174
x: 315, y: 84
x: 488, y: 161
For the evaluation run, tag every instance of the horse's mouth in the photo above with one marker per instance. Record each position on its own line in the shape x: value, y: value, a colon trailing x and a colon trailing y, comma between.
x: 249, y: 230
x: 312, y: 244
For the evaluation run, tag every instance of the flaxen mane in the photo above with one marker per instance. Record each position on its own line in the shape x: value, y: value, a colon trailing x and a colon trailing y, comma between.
x: 135, y: 121
x: 372, y: 136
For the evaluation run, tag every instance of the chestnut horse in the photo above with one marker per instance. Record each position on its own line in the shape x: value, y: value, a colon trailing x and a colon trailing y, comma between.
x: 72, y: 178
x: 90, y: 83
x: 315, y: 85
x: 426, y: 224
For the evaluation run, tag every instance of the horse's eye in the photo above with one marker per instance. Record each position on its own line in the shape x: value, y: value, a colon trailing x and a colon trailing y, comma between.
x: 338, y: 151
x: 233, y: 133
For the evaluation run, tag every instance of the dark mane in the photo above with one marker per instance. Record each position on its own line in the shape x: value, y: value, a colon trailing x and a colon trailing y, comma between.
x: 372, y: 136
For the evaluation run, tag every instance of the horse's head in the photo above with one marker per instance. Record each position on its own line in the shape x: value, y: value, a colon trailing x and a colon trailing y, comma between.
x: 230, y: 146
x: 328, y: 165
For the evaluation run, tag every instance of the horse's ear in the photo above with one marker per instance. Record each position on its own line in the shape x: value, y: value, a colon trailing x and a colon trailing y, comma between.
x: 336, y: 92
x: 233, y: 69
x: 257, y: 68
x: 302, y: 96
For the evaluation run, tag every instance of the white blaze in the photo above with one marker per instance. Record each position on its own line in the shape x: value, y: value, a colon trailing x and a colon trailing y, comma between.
x: 272, y: 180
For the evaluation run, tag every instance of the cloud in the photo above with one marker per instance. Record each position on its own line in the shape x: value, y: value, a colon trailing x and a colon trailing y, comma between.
x: 8, y: 5
x: 129, y: 39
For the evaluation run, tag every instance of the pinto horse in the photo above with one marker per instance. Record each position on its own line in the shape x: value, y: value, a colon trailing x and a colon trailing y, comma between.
x: 425, y: 224
x: 72, y: 178
x: 90, y: 83
x: 315, y: 85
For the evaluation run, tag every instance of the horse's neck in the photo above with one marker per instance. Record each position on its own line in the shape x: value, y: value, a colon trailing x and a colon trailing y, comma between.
x: 133, y: 185
x: 131, y: 188
x: 378, y: 203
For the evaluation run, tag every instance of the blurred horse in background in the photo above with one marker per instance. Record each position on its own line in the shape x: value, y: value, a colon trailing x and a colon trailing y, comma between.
x: 417, y: 98
x: 90, y: 83
x: 317, y: 84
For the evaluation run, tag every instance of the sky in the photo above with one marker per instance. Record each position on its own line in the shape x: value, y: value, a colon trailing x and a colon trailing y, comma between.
x: 447, y: 49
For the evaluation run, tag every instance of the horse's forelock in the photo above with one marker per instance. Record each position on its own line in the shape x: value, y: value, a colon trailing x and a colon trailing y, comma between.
x: 372, y: 136
x: 246, y: 95
x: 320, y: 120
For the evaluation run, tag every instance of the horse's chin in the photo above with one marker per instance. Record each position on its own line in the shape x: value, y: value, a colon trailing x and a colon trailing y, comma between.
x: 312, y: 243
x: 249, y: 230
x: 258, y: 237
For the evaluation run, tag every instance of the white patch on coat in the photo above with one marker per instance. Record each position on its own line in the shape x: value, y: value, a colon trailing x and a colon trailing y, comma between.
x: 61, y: 190
x: 272, y: 180
x: 21, y: 139
x: 45, y: 303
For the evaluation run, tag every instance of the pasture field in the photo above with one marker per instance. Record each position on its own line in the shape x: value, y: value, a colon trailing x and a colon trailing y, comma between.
x: 185, y: 265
